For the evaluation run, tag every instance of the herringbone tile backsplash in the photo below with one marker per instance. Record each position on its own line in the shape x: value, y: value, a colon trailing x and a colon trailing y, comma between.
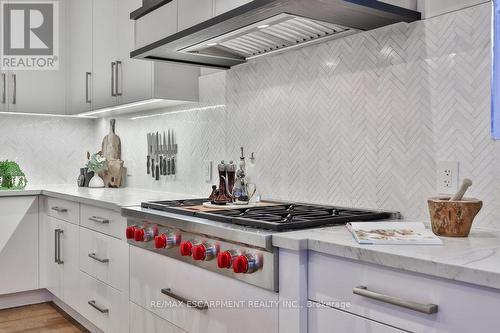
x: 49, y: 150
x: 359, y: 121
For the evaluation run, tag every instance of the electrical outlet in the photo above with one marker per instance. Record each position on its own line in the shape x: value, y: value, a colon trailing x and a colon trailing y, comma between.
x: 207, y: 171
x: 447, y: 177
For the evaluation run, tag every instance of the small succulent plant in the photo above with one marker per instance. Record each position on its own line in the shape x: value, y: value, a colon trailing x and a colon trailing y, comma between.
x: 96, y: 162
x: 11, y: 176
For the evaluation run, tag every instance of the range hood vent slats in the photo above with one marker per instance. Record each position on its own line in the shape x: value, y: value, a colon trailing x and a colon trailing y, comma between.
x: 263, y: 27
x: 275, y: 33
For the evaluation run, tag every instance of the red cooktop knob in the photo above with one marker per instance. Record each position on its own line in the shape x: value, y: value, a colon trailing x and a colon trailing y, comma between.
x: 224, y: 259
x: 186, y: 248
x: 139, y: 235
x: 130, y: 232
x: 160, y: 241
x: 240, y: 264
x: 199, y: 252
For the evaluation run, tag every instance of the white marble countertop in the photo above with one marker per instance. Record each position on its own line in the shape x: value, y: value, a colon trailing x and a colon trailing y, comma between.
x: 475, y: 259
x: 110, y: 198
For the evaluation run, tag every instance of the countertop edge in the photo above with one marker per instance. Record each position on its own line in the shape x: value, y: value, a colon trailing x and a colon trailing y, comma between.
x: 452, y: 272
x: 93, y: 202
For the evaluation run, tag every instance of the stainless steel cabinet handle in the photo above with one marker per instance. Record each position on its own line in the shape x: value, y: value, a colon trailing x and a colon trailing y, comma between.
x: 98, y: 219
x: 96, y: 258
x: 59, y: 209
x: 56, y: 237
x: 194, y: 304
x: 97, y: 307
x: 117, y: 78
x: 14, y: 90
x: 113, y: 70
x: 4, y: 91
x: 419, y: 307
x: 87, y: 88
x: 59, y: 233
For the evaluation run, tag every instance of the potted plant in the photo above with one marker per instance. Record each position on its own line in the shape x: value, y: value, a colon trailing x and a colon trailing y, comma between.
x: 11, y: 176
x: 96, y: 164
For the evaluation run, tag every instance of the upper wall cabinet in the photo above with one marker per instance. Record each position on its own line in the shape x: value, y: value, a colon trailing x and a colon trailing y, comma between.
x: 102, y: 74
x: 29, y: 83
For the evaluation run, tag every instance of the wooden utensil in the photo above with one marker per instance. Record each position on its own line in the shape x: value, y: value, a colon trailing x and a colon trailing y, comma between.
x: 460, y: 194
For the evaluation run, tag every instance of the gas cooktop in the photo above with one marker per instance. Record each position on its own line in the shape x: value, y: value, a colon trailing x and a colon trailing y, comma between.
x: 277, y: 216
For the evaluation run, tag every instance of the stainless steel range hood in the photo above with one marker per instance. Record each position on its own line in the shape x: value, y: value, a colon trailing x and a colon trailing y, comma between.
x: 263, y: 27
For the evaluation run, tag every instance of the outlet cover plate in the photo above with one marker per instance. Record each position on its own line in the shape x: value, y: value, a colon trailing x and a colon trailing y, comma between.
x: 447, y: 177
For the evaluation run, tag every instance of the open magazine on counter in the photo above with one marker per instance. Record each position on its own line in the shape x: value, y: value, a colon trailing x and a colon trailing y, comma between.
x: 392, y: 233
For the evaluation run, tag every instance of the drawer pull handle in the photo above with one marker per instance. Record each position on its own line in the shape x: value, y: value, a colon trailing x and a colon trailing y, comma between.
x: 196, y: 305
x: 96, y: 258
x: 97, y: 307
x: 98, y: 219
x: 59, y: 209
x: 419, y: 307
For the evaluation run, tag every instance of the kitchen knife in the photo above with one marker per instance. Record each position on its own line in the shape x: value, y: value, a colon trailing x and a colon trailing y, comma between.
x: 157, y: 168
x: 172, y: 160
x: 153, y: 157
x: 148, y: 163
x: 169, y: 145
x: 161, y: 154
x: 166, y: 152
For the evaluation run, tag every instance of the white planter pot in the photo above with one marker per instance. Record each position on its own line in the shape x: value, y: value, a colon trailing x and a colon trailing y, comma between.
x: 96, y: 182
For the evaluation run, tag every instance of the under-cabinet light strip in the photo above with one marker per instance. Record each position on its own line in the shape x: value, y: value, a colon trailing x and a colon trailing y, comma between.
x: 211, y: 107
x: 120, y: 107
x: 45, y: 115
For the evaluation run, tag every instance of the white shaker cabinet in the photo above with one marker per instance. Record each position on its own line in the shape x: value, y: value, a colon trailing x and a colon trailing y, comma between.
x: 134, y: 76
x: 18, y: 244
x: 80, y: 52
x: 59, y: 264
x: 192, y: 12
x: 323, y: 319
x: 104, y: 53
x: 222, y: 6
x: 36, y: 90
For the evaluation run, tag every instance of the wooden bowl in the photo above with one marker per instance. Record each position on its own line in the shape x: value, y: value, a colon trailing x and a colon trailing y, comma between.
x: 453, y: 218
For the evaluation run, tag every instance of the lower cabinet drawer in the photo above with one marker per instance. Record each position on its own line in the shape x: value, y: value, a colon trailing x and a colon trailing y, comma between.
x: 103, y: 220
x: 61, y: 209
x: 393, y: 297
x: 323, y: 319
x: 104, y: 258
x: 104, y: 306
x: 234, y: 306
x: 144, y: 321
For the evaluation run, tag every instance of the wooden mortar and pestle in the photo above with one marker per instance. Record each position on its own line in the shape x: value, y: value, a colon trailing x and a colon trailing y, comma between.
x: 453, y: 217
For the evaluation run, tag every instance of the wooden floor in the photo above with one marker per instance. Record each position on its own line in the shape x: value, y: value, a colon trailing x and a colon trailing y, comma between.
x: 40, y: 318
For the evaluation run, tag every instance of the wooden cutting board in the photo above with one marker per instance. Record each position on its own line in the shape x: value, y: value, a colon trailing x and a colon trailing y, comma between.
x: 111, y: 144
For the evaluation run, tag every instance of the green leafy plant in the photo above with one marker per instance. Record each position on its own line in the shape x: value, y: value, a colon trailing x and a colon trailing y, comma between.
x: 11, y: 176
x: 96, y: 162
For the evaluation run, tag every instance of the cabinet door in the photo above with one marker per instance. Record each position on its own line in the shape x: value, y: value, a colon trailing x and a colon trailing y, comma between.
x: 79, y: 13
x: 70, y: 267
x: 192, y: 12
x: 50, y: 270
x: 18, y: 244
x: 144, y: 321
x: 4, y: 106
x: 222, y: 6
x: 134, y: 76
x: 104, y: 52
x: 324, y: 319
x: 41, y: 91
